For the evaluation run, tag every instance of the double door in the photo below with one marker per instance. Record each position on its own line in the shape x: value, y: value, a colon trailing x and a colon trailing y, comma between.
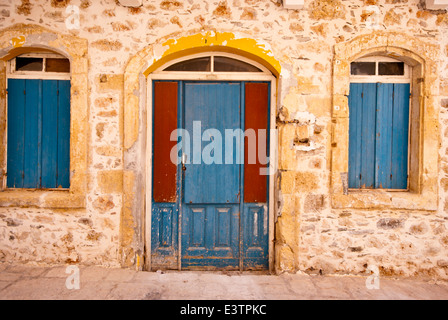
x: 210, y: 192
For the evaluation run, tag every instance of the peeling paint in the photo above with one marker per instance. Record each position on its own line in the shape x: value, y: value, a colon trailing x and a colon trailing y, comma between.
x: 225, y: 41
x: 18, y: 42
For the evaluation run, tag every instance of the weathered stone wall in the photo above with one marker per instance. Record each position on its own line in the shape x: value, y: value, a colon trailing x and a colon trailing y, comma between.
x: 310, y: 234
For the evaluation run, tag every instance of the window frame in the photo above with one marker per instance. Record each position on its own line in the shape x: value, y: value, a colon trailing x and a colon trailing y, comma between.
x: 406, y: 78
x: 11, y: 73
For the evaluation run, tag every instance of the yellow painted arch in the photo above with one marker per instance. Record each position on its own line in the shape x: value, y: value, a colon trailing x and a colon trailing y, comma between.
x: 214, y: 41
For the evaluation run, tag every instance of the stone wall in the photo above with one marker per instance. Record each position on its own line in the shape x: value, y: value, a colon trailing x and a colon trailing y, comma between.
x: 311, y: 235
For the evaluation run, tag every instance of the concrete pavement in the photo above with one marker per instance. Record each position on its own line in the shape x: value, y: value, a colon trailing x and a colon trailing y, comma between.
x: 22, y: 282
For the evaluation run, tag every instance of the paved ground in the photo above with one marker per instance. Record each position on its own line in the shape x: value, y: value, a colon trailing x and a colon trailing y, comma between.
x: 50, y: 283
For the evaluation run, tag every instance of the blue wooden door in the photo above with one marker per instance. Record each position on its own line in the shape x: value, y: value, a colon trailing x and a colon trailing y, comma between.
x: 378, y: 135
x: 218, y: 199
x: 38, y: 134
x: 212, y: 188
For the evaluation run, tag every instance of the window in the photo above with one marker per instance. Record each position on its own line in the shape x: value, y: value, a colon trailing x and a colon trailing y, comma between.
x: 38, y: 122
x: 379, y: 125
x: 213, y: 63
x: 39, y: 64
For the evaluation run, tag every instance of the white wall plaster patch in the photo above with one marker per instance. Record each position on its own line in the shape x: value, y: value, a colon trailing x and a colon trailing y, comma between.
x: 304, y: 117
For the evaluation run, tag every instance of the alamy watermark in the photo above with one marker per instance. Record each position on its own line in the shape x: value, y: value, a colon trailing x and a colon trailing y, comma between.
x: 223, y: 147
x: 73, y: 281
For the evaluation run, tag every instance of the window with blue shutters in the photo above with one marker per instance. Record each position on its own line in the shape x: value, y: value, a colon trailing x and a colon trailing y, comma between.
x: 379, y: 125
x: 38, y: 123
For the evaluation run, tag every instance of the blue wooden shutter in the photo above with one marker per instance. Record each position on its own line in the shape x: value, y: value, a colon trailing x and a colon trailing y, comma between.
x: 38, y: 134
x: 16, y: 129
x: 383, y: 156
x: 392, y: 136
x: 362, y: 102
x: 56, y: 134
x: 400, y: 136
x: 63, y: 172
x: 50, y: 136
x: 378, y: 136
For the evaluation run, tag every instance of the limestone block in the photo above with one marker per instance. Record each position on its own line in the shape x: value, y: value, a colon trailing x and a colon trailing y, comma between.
x: 285, y: 259
x: 319, y: 105
x: 340, y: 106
x: 110, y: 181
x: 327, y: 10
x: 287, y: 185
x: 131, y: 3
x: 287, y: 155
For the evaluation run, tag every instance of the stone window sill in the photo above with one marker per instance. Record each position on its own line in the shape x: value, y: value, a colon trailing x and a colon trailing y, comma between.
x: 385, y: 199
x: 63, y: 199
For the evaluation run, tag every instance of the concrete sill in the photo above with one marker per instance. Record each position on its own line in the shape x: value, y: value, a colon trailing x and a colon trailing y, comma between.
x: 63, y: 199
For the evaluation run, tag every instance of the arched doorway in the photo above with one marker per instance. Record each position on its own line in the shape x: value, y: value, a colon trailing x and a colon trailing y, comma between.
x: 209, y: 182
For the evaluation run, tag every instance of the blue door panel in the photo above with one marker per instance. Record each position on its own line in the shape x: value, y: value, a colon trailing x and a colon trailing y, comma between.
x: 212, y: 188
x: 16, y: 128
x: 255, y: 236
x: 217, y: 107
x: 164, y: 235
x: 223, y: 226
x: 210, y: 236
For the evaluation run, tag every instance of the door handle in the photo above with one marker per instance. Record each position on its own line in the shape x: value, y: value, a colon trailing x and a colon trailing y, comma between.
x: 184, y: 161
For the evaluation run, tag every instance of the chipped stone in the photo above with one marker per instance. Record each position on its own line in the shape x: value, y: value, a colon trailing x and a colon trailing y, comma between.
x: 390, y: 223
